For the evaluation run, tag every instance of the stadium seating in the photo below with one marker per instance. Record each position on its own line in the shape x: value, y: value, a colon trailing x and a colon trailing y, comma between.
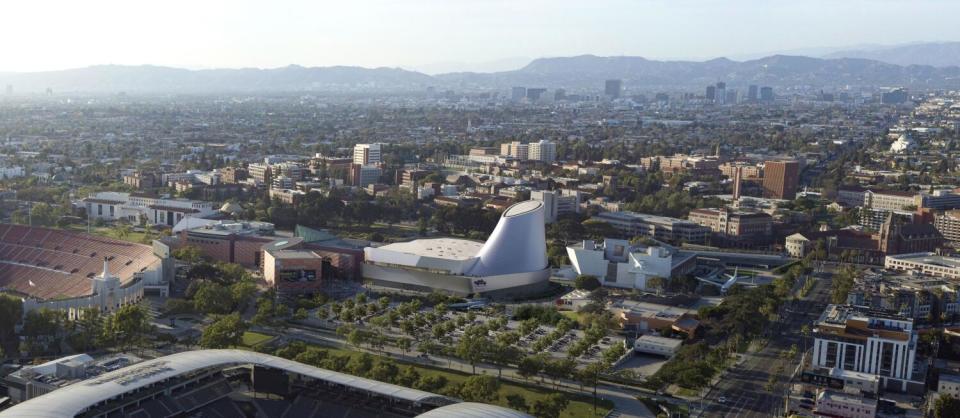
x: 49, y: 263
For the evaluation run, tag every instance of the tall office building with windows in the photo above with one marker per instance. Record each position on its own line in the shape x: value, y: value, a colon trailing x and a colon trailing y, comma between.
x: 544, y: 150
x: 780, y: 179
x: 857, y: 339
x: 366, y: 154
x: 613, y: 88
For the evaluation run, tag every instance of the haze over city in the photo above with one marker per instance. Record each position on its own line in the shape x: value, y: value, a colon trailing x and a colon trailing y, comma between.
x: 480, y: 209
x: 441, y: 36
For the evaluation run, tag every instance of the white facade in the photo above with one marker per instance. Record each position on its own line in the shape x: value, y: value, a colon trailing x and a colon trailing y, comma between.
x: 515, y: 255
x: 903, y: 144
x: 850, y: 339
x: 543, y: 150
x: 834, y: 404
x: 366, y: 154
x: 930, y: 264
x: 661, y: 346
x: 617, y: 263
x: 949, y: 384
x: 557, y: 202
x: 112, y: 206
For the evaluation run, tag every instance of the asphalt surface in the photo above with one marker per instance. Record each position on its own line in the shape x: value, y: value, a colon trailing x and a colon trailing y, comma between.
x: 742, y: 390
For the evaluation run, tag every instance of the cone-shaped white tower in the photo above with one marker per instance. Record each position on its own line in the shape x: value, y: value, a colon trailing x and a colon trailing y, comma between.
x: 518, y: 243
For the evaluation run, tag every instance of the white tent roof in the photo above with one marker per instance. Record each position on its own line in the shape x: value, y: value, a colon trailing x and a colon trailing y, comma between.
x: 74, y: 399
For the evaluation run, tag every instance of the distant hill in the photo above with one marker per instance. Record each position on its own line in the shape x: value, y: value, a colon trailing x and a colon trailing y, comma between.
x: 777, y: 70
x: 584, y: 72
x: 937, y: 54
x: 153, y: 79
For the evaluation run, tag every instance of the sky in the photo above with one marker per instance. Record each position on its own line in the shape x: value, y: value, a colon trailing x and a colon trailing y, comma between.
x: 40, y: 35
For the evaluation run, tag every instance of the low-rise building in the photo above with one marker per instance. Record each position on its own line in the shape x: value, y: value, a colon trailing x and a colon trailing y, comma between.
x: 834, y: 404
x: 643, y: 317
x: 617, y: 263
x: 662, y: 228
x: 928, y: 263
x: 949, y: 384
x: 753, y: 228
x: 656, y: 345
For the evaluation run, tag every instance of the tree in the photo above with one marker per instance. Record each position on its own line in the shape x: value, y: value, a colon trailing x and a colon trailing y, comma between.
x: 946, y: 406
x: 598, y: 229
x: 559, y: 369
x: 587, y: 282
x: 227, y: 331
x: 480, y: 388
x: 404, y: 344
x: 188, y: 254
x: 42, y: 330
x: 122, y: 230
x: 360, y: 365
x: 385, y: 371
x: 212, y: 298
x: 591, y: 376
x: 656, y: 282
x: 241, y: 293
x: 357, y: 337
x: 11, y: 310
x: 517, y: 402
x: 473, y: 345
x: 530, y: 366
x: 551, y: 406
x: 128, y: 325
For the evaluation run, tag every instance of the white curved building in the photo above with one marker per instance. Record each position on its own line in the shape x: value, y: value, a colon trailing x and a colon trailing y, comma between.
x: 513, y: 260
x: 187, y: 383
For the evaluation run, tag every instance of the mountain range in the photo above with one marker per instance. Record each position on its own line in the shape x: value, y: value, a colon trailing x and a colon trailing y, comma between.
x: 895, y: 66
x: 937, y: 54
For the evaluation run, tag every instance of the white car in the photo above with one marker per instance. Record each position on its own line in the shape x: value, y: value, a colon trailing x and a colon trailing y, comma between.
x: 722, y: 399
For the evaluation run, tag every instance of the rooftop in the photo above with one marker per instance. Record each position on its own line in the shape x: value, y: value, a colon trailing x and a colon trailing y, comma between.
x: 929, y: 258
x: 449, y: 248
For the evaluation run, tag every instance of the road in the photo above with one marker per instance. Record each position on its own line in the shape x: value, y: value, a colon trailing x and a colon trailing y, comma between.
x: 744, y: 387
x: 624, y: 399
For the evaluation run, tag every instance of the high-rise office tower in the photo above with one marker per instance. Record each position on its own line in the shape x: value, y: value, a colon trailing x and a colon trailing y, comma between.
x: 366, y: 154
x: 544, y: 150
x: 711, y: 93
x: 721, y: 92
x: 737, y: 183
x: 753, y: 93
x: 780, y: 179
x: 613, y: 88
x: 518, y: 93
x: 731, y: 97
x: 766, y: 94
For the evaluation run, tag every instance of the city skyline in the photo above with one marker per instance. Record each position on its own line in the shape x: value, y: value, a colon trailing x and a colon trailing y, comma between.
x: 434, y: 36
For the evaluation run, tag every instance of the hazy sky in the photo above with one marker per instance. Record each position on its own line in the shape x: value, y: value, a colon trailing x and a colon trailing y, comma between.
x: 57, y: 34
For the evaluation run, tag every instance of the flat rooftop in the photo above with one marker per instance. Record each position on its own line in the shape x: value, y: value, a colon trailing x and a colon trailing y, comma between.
x: 929, y: 258
x: 448, y: 248
x: 643, y: 217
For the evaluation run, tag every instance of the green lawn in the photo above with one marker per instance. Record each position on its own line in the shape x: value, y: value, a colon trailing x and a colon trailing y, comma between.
x: 103, y: 231
x: 580, y: 405
x: 253, y: 339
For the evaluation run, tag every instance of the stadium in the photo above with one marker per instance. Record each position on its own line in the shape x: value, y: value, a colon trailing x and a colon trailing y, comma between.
x: 237, y: 383
x: 63, y: 270
x: 512, y: 262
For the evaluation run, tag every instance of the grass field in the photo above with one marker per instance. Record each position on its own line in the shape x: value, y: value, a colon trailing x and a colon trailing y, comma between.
x: 580, y: 406
x: 253, y: 339
x: 103, y: 231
